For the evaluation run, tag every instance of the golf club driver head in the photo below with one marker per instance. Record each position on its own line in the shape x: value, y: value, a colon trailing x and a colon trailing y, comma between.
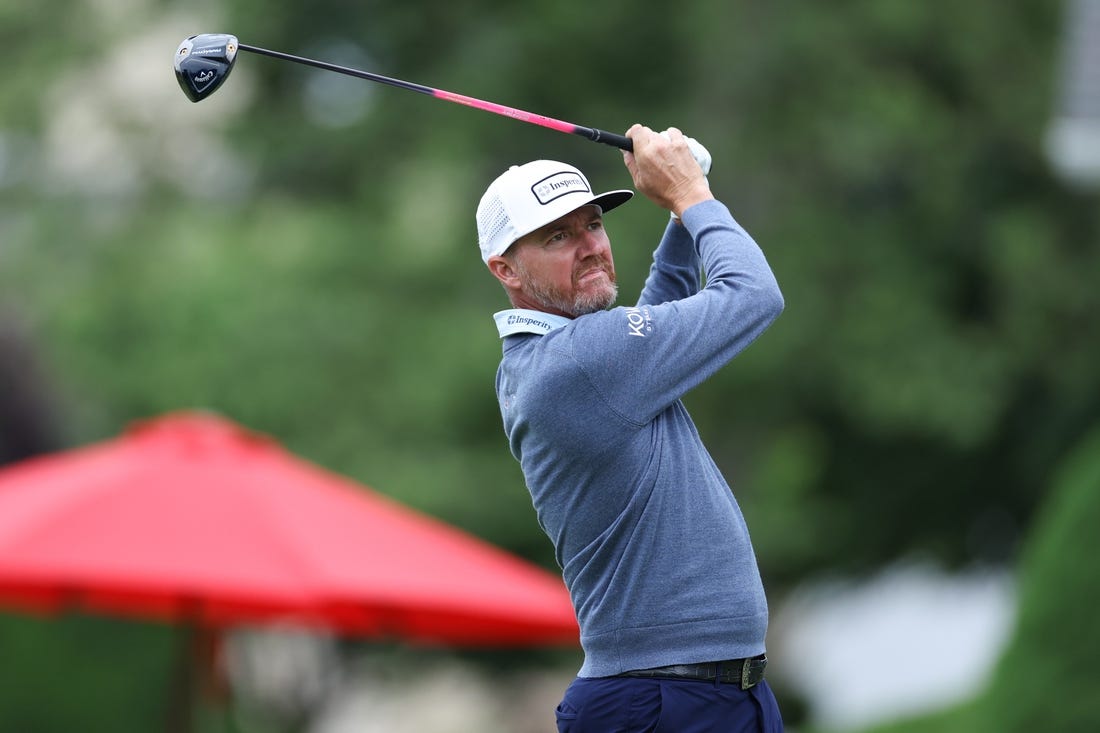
x: 203, y: 63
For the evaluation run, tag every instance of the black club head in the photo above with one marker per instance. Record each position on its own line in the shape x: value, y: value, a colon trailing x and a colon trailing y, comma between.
x: 203, y: 62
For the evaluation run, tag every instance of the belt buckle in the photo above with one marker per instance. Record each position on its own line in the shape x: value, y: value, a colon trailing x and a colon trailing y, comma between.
x: 752, y: 671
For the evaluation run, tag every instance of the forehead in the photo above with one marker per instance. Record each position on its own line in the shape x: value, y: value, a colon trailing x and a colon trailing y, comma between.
x: 584, y: 213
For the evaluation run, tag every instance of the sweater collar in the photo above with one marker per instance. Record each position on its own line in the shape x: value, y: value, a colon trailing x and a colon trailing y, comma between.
x: 523, y: 320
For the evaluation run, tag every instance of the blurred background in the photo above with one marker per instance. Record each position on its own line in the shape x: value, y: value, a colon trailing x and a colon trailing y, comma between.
x: 914, y: 443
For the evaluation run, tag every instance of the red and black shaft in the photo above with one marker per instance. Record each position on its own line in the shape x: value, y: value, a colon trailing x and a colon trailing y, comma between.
x: 591, y: 133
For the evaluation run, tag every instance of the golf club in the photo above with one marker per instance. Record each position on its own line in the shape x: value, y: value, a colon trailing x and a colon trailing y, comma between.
x: 203, y: 63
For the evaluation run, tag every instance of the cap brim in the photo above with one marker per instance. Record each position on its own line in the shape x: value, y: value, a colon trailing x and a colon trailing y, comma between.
x: 606, y: 201
x: 611, y: 199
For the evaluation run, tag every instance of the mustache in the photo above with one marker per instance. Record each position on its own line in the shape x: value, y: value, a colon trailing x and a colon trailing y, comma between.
x: 593, y: 262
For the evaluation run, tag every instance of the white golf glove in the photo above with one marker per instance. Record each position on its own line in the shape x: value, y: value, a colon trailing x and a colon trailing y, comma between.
x: 701, y: 155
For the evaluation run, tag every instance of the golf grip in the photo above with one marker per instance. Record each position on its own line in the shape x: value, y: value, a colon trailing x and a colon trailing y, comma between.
x: 591, y: 133
x: 608, y: 138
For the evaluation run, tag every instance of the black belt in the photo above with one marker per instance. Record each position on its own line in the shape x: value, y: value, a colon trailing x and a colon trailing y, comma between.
x: 744, y: 672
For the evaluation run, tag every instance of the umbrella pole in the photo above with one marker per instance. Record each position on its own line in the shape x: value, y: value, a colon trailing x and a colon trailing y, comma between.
x: 199, y: 682
x: 181, y: 704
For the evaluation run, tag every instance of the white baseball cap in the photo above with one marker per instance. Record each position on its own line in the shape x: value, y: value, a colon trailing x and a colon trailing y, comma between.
x: 526, y: 197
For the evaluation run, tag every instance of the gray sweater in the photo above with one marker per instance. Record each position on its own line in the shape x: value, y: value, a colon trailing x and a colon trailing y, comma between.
x: 652, y: 544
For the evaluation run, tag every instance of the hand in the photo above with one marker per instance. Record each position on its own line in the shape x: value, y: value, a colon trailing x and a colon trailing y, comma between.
x: 665, y: 170
x: 701, y: 154
x: 702, y: 157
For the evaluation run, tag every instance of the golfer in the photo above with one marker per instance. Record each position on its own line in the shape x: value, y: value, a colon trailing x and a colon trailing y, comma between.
x: 650, y: 539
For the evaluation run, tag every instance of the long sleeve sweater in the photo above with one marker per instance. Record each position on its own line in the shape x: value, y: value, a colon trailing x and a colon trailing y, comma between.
x: 651, y: 541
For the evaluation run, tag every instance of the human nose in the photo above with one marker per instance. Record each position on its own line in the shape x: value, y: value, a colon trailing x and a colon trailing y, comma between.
x: 591, y: 242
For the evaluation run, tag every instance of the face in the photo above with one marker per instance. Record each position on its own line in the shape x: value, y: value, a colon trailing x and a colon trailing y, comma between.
x: 564, y: 268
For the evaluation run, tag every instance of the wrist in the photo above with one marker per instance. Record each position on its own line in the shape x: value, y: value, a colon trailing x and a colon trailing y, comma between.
x: 682, y: 205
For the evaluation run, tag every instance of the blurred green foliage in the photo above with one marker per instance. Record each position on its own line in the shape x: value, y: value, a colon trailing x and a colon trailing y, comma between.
x: 319, y: 281
x: 1047, y: 678
x: 78, y: 672
x: 929, y: 368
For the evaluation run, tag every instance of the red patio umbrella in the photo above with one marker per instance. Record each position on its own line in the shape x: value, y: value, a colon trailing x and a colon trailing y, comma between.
x: 191, y: 518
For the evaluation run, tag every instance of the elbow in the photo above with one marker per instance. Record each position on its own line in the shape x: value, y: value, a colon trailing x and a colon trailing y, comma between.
x: 772, y: 302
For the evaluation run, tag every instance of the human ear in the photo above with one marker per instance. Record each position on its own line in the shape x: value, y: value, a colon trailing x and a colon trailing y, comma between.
x: 504, y: 271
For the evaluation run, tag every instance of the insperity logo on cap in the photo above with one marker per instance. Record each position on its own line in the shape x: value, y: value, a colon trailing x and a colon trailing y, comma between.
x: 558, y: 185
x: 526, y: 197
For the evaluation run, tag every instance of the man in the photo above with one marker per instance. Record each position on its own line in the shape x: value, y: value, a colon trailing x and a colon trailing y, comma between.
x: 652, y: 544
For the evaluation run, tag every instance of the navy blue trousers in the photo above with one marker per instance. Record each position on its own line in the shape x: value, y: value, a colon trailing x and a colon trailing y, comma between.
x: 645, y: 705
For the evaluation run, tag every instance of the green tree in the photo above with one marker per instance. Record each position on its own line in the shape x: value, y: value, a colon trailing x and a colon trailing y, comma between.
x: 318, y: 281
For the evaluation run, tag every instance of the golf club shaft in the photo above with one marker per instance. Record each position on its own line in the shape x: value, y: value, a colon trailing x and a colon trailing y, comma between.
x: 591, y: 133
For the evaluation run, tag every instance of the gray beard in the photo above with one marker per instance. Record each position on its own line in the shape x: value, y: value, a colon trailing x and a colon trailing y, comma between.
x: 582, y: 304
